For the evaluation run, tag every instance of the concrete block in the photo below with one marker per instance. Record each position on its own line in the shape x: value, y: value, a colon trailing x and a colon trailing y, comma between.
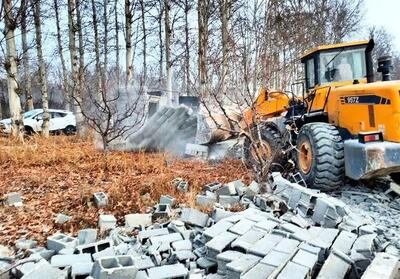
x: 228, y: 201
x: 328, y: 212
x: 166, y: 238
x: 197, y: 150
x: 365, y: 245
x: 27, y: 267
x: 143, y: 262
x: 167, y: 199
x: 240, y: 187
x: 266, y: 225
x: 335, y: 267
x: 313, y: 250
x: 244, y: 242
x: 100, y: 199
x: 344, y: 242
x: 44, y: 270
x: 25, y: 244
x: 212, y: 187
x: 80, y: 270
x: 183, y: 186
x: 259, y: 271
x: 276, y: 259
x: 162, y: 211
x: 87, y: 236
x: 207, y: 265
x: 287, y: 245
x: 146, y: 234
x: 13, y: 199
x: 291, y: 228
x: 183, y: 256
x: 194, y: 217
x: 60, y: 241
x: 238, y: 267
x: 307, y: 202
x: 168, y: 271
x: 263, y: 246
x: 60, y: 261
x: 182, y: 245
x: 218, y: 214
x: 205, y: 201
x: 218, y: 228
x: 137, y: 220
x: 225, y: 258
x: 252, y: 190
x: 108, y: 252
x: 306, y: 259
x: 384, y: 266
x: 292, y: 268
x: 62, y: 219
x: 119, y: 267
x: 241, y: 227
x: 94, y: 247
x: 226, y: 190
x: 142, y: 274
x: 219, y: 244
x: 43, y: 252
x: 107, y: 222
x: 66, y: 251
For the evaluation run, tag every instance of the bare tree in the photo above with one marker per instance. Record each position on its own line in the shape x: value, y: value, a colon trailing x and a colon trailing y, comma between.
x: 65, y: 87
x: 116, y: 23
x: 99, y: 84
x: 25, y: 58
x: 203, y: 15
x: 168, y: 53
x: 143, y: 16
x: 72, y: 29
x: 42, y: 68
x: 128, y: 41
x: 11, y: 66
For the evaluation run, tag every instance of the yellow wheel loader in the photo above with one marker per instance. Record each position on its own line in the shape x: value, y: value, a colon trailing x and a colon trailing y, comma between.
x: 344, y: 124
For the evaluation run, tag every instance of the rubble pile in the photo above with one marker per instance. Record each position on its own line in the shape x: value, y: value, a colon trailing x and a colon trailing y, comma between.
x: 286, y: 232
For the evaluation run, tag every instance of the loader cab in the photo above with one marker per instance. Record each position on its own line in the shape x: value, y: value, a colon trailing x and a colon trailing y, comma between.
x: 338, y: 64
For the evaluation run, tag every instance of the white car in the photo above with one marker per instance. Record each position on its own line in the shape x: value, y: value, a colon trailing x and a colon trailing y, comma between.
x: 60, y: 121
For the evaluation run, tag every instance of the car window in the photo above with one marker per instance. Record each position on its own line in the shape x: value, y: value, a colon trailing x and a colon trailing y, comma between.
x: 39, y: 116
x: 58, y: 114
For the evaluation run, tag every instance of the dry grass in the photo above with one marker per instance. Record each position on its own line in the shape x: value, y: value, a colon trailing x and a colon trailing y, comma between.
x: 60, y: 175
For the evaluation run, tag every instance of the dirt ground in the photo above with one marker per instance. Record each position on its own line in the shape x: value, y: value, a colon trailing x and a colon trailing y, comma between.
x: 60, y: 175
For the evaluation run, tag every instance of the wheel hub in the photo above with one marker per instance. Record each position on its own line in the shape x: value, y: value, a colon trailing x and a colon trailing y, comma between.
x: 305, y: 157
x: 261, y: 150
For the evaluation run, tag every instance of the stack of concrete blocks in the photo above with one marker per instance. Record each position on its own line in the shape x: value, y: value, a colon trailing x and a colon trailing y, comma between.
x: 252, y: 243
x: 229, y: 195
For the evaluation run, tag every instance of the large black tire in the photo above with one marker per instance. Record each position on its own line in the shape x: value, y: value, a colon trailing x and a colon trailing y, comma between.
x: 325, y: 171
x: 271, y: 140
x: 396, y: 177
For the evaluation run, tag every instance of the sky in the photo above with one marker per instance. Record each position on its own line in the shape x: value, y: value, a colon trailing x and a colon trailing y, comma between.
x: 384, y: 13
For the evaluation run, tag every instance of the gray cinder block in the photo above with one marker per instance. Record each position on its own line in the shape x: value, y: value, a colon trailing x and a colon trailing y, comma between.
x: 60, y: 241
x: 100, y: 199
x: 118, y: 267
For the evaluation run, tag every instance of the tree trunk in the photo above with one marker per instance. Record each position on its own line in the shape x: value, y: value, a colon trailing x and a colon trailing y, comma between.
x: 142, y: 8
x: 187, y: 49
x: 202, y: 17
x: 82, y: 132
x: 72, y: 27
x: 66, y: 90
x: 25, y: 58
x: 168, y: 62
x: 12, y: 72
x: 97, y: 50
x: 225, y: 5
x: 160, y: 40
x: 105, y: 46
x: 117, y: 72
x: 42, y: 69
x: 128, y: 42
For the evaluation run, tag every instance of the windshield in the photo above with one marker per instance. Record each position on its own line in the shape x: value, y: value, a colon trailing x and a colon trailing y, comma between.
x: 342, y: 65
x: 30, y: 113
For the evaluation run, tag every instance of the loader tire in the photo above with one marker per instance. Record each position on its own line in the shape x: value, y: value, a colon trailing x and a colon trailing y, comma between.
x: 320, y: 156
x: 268, y: 144
x: 395, y: 177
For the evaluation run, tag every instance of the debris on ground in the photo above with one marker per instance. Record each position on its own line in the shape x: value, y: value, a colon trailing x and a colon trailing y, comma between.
x: 292, y: 232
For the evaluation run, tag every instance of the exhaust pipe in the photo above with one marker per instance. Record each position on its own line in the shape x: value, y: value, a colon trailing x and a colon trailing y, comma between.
x: 385, y: 66
x: 368, y: 61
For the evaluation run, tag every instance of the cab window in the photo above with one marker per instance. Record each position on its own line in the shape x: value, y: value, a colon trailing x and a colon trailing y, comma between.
x: 310, y: 73
x: 342, y: 65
